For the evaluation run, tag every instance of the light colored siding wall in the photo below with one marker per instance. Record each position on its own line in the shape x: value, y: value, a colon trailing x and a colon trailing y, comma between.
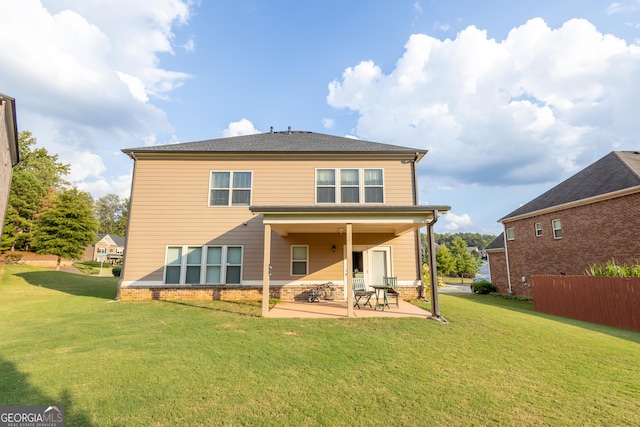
x: 293, y: 182
x: 170, y: 207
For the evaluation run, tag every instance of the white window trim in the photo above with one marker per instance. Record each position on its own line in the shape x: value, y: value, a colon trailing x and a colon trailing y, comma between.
x: 553, y: 227
x: 230, y: 203
x: 203, y: 264
x: 298, y: 260
x: 538, y: 229
x: 338, y: 187
x: 512, y: 237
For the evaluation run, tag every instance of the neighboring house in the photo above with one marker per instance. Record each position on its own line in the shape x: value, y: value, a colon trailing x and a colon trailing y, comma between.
x: 590, y: 218
x: 272, y: 214
x: 9, y: 150
x: 110, y: 248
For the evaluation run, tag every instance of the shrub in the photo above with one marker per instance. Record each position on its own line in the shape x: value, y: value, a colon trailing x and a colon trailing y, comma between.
x: 483, y: 287
x: 12, y: 258
x: 612, y: 269
x: 116, y: 270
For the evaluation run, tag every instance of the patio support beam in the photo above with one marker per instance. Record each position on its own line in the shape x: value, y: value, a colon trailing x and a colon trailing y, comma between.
x: 433, y: 268
x: 266, y: 267
x: 350, y: 270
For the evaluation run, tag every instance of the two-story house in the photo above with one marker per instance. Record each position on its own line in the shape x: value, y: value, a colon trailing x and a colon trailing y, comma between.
x: 109, y: 248
x: 272, y: 214
x: 590, y: 218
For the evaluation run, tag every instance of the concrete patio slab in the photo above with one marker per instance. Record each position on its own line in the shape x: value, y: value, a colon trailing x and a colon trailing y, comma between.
x: 338, y: 309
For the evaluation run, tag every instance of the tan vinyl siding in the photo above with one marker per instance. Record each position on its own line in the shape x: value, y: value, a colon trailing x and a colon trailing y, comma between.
x: 170, y: 207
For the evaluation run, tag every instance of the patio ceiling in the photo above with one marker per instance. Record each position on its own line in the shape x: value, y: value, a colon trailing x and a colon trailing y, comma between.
x: 396, y: 220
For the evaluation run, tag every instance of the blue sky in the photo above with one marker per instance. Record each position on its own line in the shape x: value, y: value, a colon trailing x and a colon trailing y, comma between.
x: 510, y: 98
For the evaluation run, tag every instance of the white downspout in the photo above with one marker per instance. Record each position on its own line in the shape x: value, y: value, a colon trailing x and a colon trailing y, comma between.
x: 506, y: 258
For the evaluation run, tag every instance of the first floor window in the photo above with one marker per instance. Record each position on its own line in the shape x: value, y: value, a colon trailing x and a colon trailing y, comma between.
x: 510, y: 235
x: 557, y: 229
x: 299, y: 260
x: 204, y: 264
x: 174, y: 265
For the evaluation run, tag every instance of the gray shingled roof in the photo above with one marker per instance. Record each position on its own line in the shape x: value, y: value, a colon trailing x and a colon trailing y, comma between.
x: 119, y: 241
x: 279, y: 142
x: 615, y: 171
x: 498, y: 243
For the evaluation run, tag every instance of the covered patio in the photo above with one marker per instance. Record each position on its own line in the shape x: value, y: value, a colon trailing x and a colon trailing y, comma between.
x: 338, y: 309
x: 347, y: 221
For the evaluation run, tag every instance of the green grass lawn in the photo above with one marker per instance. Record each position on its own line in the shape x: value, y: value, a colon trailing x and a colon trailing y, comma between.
x: 497, y: 362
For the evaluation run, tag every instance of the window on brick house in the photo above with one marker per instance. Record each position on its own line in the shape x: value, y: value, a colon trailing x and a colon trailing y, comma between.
x: 557, y: 229
x: 510, y: 235
x: 538, y: 227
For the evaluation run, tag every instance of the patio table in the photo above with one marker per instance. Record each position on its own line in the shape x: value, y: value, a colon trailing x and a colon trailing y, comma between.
x: 381, y: 289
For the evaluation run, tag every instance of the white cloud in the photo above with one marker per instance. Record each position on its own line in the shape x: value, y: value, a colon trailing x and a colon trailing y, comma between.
x: 84, y: 165
x: 85, y: 74
x: 242, y: 127
x: 120, y: 186
x: 617, y: 7
x: 190, y: 45
x: 539, y: 104
x: 328, y: 123
x: 453, y: 222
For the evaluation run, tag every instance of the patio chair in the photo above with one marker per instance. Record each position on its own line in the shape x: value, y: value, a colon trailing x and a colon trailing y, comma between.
x: 392, y: 292
x: 360, y: 292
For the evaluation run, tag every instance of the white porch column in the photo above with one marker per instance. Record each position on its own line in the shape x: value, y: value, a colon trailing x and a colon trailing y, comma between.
x: 350, y: 270
x: 265, y: 270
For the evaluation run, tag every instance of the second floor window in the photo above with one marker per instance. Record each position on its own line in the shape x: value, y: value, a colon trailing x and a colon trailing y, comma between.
x: 538, y: 227
x: 230, y: 188
x: 557, y: 229
x: 349, y: 186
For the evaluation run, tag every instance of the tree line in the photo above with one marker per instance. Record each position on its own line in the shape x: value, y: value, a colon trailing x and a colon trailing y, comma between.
x: 454, y: 255
x: 46, y: 214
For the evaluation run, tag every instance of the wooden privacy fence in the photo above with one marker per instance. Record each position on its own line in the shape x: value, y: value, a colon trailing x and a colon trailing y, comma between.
x: 613, y: 301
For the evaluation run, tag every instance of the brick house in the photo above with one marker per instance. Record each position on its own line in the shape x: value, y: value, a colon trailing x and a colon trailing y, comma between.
x: 590, y: 218
x: 9, y: 150
x: 272, y: 214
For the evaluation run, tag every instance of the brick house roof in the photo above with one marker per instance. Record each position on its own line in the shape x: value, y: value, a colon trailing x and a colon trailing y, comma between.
x: 616, y: 171
x: 281, y: 142
x: 498, y: 243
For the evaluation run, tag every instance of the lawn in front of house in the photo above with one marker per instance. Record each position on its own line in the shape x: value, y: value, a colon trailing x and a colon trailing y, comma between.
x: 497, y: 362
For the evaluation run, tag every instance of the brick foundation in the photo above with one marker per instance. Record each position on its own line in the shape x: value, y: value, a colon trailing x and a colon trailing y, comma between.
x: 237, y: 293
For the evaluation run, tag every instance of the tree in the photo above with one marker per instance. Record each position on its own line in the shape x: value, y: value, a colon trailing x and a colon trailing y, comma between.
x: 465, y: 262
x: 38, y: 175
x: 107, y: 213
x: 43, y: 166
x: 480, y: 241
x: 67, y: 227
x: 120, y: 228
x: 444, y: 261
x: 25, y: 200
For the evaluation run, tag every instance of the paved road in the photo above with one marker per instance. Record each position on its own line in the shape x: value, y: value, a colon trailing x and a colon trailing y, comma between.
x: 447, y: 288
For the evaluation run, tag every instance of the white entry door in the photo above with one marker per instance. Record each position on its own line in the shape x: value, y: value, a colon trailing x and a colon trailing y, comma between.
x: 376, y: 264
x: 379, y: 265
